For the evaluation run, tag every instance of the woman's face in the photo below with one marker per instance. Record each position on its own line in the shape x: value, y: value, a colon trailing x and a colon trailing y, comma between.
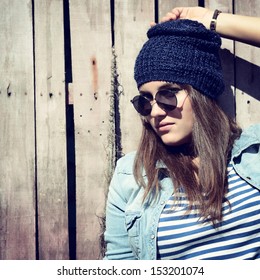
x: 174, y: 127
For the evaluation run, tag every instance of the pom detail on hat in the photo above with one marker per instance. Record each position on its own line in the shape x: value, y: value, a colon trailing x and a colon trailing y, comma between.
x: 184, y: 52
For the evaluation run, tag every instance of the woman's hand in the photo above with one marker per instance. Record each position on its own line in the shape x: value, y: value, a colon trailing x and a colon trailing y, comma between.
x: 199, y: 14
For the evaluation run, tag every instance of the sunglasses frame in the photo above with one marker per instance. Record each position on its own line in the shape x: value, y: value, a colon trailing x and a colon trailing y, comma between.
x: 166, y: 107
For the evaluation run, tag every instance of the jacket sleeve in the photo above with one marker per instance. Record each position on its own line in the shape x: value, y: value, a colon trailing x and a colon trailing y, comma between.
x: 116, y: 236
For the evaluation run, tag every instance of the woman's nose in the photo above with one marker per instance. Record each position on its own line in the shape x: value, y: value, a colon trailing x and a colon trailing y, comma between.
x: 157, y: 110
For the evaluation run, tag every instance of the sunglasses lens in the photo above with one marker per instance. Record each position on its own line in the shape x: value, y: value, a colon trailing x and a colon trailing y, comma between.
x: 166, y: 99
x: 142, y: 105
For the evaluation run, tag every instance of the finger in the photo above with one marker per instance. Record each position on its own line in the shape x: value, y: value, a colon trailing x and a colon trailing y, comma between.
x: 171, y: 16
x: 168, y: 17
x: 165, y: 18
x: 177, y: 11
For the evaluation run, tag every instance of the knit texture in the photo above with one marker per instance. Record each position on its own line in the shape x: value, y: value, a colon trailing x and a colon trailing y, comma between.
x: 184, y: 52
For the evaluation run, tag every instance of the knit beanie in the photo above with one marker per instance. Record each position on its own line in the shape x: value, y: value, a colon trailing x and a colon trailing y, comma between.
x: 184, y: 52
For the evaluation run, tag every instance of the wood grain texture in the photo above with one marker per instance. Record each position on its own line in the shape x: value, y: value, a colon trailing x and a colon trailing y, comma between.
x: 51, y: 131
x: 132, y: 19
x: 17, y: 165
x: 166, y: 6
x: 94, y: 126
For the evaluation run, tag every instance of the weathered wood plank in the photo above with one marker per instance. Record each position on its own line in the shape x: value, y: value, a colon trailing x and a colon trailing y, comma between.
x: 166, y: 6
x: 132, y: 19
x: 51, y: 131
x: 94, y: 127
x: 17, y: 203
x: 247, y: 72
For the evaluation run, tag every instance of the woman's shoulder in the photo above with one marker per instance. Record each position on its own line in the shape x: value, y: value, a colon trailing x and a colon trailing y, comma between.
x: 124, y: 182
x: 126, y: 163
x: 252, y: 131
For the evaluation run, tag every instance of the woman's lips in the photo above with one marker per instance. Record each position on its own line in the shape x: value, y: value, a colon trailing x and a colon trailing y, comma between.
x: 164, y: 127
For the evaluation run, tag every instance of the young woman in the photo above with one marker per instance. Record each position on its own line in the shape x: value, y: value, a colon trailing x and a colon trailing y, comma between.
x: 191, y: 191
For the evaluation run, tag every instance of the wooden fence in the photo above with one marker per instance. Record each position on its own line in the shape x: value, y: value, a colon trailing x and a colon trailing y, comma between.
x: 66, y: 78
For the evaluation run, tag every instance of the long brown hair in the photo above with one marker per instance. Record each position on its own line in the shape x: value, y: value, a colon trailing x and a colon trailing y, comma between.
x: 205, y: 183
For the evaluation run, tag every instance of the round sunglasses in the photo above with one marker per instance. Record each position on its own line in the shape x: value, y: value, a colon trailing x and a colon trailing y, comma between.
x: 165, y: 99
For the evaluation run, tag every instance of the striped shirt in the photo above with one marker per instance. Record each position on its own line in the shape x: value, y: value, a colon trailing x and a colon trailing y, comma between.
x: 182, y: 236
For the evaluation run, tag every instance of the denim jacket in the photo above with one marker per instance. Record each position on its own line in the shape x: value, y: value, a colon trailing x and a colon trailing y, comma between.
x: 131, y: 223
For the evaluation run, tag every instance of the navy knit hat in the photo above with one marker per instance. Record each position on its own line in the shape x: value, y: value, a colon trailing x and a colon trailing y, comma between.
x: 184, y: 52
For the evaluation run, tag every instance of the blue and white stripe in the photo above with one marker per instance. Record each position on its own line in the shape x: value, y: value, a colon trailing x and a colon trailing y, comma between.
x: 182, y: 236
